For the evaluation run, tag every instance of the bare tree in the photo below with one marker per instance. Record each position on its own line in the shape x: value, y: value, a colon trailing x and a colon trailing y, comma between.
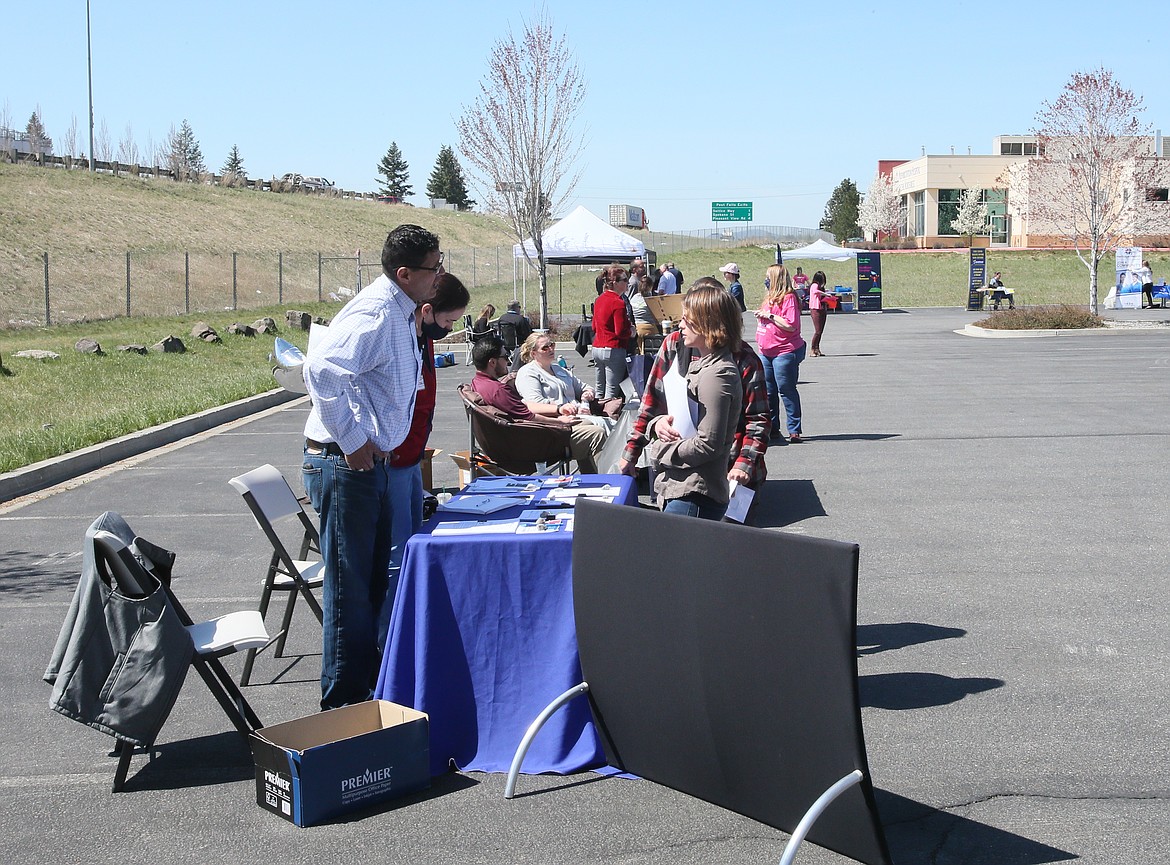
x: 127, y: 149
x: 520, y: 135
x: 882, y: 209
x: 102, y: 149
x: 69, y: 140
x: 1092, y: 180
x: 972, y: 216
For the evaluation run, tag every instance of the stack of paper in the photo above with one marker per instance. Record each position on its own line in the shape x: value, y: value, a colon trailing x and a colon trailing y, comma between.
x: 484, y: 504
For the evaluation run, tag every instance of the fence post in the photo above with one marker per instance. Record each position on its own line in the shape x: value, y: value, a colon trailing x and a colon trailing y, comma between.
x: 127, y: 283
x: 280, y: 277
x: 235, y: 299
x: 318, y: 276
x: 48, y: 310
x: 187, y: 282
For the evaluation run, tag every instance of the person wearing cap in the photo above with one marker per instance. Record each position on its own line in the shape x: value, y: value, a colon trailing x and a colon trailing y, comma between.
x: 730, y: 272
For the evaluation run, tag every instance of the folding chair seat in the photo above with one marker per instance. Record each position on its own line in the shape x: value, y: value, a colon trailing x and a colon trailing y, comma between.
x: 270, y: 500
x: 512, y: 446
x: 209, y: 641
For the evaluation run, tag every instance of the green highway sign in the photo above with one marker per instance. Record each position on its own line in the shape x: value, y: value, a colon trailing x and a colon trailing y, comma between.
x: 731, y: 211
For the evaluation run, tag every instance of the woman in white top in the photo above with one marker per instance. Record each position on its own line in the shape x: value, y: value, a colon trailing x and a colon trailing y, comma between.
x: 548, y: 388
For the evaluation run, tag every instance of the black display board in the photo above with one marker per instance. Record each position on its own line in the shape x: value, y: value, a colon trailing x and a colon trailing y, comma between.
x: 978, y: 271
x: 722, y: 662
x: 869, y: 281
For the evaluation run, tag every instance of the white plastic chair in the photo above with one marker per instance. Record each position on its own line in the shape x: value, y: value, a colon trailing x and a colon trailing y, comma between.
x: 271, y: 499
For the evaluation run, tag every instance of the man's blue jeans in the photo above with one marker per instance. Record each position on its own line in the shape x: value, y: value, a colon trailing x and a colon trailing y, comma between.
x: 406, y: 498
x: 780, y: 375
x: 356, y: 515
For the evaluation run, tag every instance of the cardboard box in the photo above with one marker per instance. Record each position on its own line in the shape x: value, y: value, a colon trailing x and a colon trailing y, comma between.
x: 325, y: 765
x: 425, y: 466
x: 462, y: 460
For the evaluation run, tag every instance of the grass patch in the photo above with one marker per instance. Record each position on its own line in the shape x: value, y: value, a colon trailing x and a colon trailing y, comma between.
x: 57, y: 406
x: 1061, y: 316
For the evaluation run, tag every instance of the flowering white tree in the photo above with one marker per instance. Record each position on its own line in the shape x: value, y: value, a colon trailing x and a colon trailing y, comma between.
x: 972, y: 216
x: 520, y: 136
x: 1095, y: 169
x: 882, y: 209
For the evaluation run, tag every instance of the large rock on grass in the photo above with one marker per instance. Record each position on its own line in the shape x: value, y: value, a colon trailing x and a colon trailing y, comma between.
x: 298, y: 320
x: 37, y: 354
x: 171, y: 345
x: 204, y: 331
x: 85, y: 345
x: 264, y: 325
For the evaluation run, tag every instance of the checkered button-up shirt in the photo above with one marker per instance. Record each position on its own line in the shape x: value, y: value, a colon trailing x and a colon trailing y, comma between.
x: 751, y: 434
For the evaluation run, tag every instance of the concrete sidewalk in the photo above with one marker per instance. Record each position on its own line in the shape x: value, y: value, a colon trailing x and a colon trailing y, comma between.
x: 1005, y: 494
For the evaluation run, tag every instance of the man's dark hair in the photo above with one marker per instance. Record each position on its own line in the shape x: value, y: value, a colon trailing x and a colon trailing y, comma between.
x: 486, y: 350
x: 450, y: 294
x: 407, y: 246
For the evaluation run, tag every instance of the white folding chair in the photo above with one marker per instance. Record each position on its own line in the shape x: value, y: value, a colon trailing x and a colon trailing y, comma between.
x: 270, y: 499
x: 234, y: 632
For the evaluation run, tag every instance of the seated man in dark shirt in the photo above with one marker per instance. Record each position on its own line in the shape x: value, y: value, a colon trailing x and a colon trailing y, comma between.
x: 492, y: 382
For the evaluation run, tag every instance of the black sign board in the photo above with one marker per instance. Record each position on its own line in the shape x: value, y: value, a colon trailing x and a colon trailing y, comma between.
x: 978, y: 279
x: 869, y: 281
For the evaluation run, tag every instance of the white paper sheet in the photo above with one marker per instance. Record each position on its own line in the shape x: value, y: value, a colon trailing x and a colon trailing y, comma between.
x: 679, y: 403
x: 741, y: 500
x: 477, y: 527
x: 483, y: 504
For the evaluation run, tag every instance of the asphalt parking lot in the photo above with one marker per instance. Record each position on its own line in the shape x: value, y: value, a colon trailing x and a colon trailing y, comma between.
x: 1010, y: 500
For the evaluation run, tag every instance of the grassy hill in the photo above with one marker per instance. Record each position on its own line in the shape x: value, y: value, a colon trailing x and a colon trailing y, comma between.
x: 87, y: 223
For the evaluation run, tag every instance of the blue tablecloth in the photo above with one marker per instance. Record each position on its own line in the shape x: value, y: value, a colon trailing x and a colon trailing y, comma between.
x: 482, y: 638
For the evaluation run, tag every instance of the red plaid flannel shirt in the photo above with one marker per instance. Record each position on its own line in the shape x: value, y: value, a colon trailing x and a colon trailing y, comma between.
x: 751, y: 435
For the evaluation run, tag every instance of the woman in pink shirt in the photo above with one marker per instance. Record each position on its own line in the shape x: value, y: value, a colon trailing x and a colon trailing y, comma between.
x: 818, y: 309
x: 778, y: 336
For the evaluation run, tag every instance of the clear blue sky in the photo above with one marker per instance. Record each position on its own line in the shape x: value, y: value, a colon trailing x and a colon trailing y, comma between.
x: 689, y: 102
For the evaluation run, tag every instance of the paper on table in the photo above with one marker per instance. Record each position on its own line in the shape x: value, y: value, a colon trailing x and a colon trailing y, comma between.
x: 483, y: 504
x: 679, y: 403
x: 537, y: 522
x: 741, y: 500
x: 501, y: 485
x: 606, y: 493
x: 476, y: 527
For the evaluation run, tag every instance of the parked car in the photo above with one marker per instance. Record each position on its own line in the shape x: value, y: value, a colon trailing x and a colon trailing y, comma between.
x: 316, y: 183
x: 294, y: 179
x: 390, y: 199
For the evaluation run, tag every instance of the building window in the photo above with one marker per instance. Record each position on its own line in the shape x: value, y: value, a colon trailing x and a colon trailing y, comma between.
x: 917, y: 214
x: 948, y: 209
x: 1012, y: 148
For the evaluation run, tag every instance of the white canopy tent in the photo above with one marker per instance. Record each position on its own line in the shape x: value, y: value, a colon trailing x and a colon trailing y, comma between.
x: 821, y: 251
x: 579, y: 238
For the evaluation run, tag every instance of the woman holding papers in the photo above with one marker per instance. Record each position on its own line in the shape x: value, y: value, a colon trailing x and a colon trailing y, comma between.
x: 691, y: 444
x: 778, y: 336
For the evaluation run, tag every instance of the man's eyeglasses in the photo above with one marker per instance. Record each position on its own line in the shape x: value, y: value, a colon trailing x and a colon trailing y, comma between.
x: 431, y: 269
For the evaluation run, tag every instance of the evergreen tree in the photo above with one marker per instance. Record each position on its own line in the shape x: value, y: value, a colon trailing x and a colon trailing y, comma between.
x: 394, y: 168
x: 234, y: 164
x: 184, y: 153
x: 447, y: 181
x: 38, y: 139
x: 842, y: 211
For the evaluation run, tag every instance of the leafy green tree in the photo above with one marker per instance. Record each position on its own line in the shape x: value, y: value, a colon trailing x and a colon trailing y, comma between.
x: 393, y: 167
x: 842, y: 211
x: 234, y: 164
x: 446, y: 180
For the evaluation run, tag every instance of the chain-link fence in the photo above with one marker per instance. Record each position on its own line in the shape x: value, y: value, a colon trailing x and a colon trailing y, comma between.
x: 57, y: 288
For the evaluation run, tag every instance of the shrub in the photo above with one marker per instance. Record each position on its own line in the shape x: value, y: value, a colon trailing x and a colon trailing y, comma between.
x: 1064, y: 316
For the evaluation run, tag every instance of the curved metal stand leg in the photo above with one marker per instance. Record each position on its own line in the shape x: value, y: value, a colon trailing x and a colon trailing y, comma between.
x: 533, y: 729
x: 811, y: 815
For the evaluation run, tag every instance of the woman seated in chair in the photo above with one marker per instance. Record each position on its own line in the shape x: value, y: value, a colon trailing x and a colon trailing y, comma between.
x: 483, y: 324
x: 645, y: 322
x: 550, y: 389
